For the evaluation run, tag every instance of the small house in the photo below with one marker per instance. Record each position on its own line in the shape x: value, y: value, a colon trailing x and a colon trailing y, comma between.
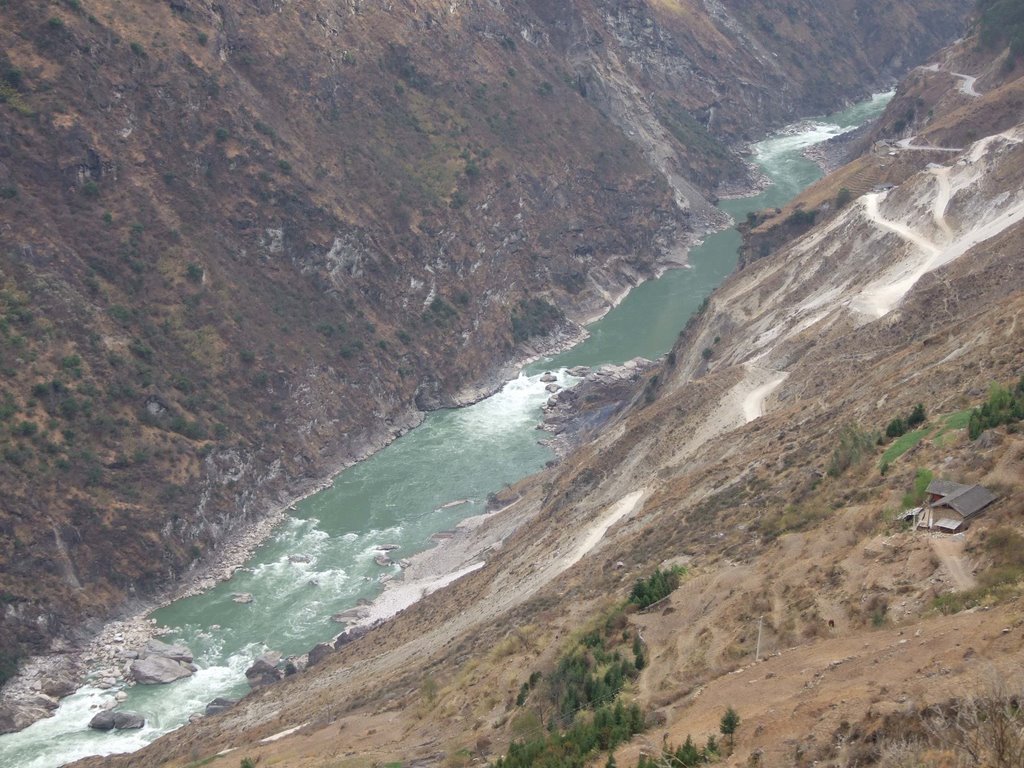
x: 951, y: 505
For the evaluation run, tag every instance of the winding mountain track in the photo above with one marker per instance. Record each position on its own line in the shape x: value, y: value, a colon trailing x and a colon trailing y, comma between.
x: 882, y: 295
x: 874, y: 216
x: 967, y: 82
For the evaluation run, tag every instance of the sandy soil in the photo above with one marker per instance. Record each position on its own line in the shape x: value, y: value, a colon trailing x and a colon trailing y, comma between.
x: 950, y: 551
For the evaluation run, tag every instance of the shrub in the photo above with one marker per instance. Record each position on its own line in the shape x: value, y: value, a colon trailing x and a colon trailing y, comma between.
x: 854, y: 445
x: 657, y: 586
x: 802, y: 218
x: 684, y: 756
x: 608, y: 727
x: 137, y: 48
x: 534, y: 317
x: 916, y: 497
x: 1002, y: 407
x: 897, y: 427
x: 917, y: 416
x: 729, y: 723
x: 441, y: 311
x: 194, y: 273
x: 221, y: 134
x: 843, y: 197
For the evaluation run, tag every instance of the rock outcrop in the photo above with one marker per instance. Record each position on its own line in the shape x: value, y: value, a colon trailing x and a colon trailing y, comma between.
x: 220, y: 704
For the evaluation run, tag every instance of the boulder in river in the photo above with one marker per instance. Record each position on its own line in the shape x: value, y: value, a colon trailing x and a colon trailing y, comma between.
x: 299, y: 558
x: 579, y: 371
x: 124, y: 720
x: 383, y: 560
x: 102, y: 721
x: 387, y: 547
x: 178, y: 652
x: 220, y: 704
x: 109, y: 720
x: 242, y: 597
x: 548, y: 377
x: 156, y: 670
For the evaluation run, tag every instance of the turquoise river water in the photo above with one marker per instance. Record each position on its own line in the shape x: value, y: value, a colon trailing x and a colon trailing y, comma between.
x: 402, y: 495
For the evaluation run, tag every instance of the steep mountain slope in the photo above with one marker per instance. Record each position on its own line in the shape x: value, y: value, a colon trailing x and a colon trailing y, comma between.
x: 760, y: 470
x: 244, y: 244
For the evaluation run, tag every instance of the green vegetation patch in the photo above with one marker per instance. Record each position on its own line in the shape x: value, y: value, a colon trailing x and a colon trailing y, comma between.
x: 583, y: 691
x: 1002, y: 407
x: 909, y: 440
x: 657, y: 586
x: 903, y: 444
x: 605, y: 729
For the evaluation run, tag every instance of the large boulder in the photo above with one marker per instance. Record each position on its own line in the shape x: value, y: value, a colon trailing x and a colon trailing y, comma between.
x: 102, y: 721
x: 109, y: 720
x: 156, y: 670
x: 125, y: 720
x: 177, y: 651
x: 264, y: 670
x: 59, y: 685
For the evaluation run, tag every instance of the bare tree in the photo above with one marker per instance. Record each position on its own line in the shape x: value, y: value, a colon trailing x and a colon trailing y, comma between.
x: 986, y: 730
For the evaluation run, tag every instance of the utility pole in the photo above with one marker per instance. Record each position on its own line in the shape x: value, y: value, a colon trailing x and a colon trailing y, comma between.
x: 757, y: 654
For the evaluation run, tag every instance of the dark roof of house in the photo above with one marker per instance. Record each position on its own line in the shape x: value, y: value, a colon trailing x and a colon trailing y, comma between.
x: 969, y: 500
x: 945, y: 487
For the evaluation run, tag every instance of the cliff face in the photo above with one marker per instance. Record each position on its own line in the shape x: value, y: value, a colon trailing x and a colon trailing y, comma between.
x: 242, y: 243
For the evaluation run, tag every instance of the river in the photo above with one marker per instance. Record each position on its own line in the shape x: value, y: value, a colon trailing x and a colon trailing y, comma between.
x: 321, y: 561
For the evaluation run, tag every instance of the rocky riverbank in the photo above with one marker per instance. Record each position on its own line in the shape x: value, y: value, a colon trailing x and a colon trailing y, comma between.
x: 572, y: 413
x: 837, y: 151
x: 35, y: 692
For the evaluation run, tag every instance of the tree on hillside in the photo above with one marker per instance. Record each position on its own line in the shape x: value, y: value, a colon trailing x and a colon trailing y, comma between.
x: 730, y: 722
